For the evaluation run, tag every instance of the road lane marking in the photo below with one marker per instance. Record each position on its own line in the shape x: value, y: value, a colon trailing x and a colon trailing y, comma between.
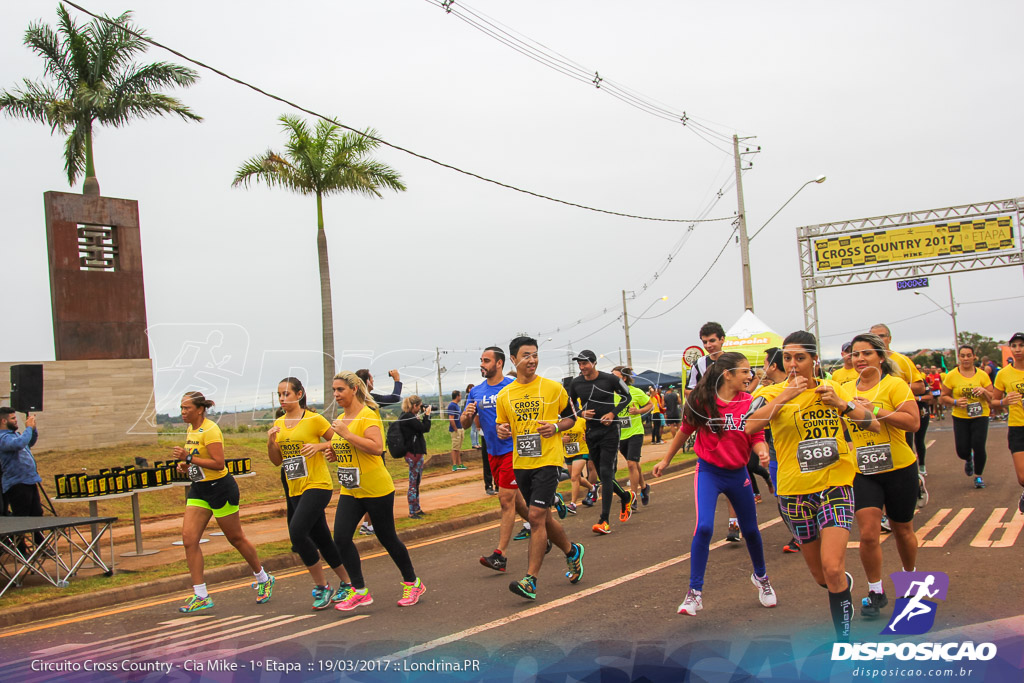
x: 248, y: 584
x: 994, y: 523
x: 228, y: 653
x: 555, y: 604
x: 947, y: 531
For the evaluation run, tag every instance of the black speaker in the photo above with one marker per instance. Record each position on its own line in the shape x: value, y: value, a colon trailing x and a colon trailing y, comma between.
x: 27, y: 388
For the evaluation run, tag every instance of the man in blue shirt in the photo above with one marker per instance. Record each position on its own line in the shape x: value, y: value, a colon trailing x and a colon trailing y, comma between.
x: 20, y: 477
x: 455, y: 429
x: 481, y: 401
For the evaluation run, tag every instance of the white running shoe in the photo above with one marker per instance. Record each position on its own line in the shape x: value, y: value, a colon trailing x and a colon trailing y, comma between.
x: 692, y: 603
x: 765, y: 592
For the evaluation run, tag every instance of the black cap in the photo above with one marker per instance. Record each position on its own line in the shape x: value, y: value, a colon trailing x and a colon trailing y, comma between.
x: 586, y: 354
x: 1017, y: 336
x: 847, y: 347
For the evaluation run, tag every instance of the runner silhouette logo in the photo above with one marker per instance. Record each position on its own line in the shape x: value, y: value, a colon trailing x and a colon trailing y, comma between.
x: 914, y: 613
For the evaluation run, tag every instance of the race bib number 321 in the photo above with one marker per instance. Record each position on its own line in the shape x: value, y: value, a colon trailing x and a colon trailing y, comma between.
x: 528, y: 445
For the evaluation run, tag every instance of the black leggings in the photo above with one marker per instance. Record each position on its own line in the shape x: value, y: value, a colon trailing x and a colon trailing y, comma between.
x: 970, y: 434
x: 25, y: 502
x: 916, y: 440
x: 308, y: 530
x: 754, y: 467
x: 656, y: 427
x: 604, y: 453
x: 382, y: 516
x: 488, y: 477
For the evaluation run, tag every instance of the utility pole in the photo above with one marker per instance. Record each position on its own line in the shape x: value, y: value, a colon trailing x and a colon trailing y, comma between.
x: 440, y: 398
x: 952, y: 312
x: 748, y: 292
x: 625, y: 323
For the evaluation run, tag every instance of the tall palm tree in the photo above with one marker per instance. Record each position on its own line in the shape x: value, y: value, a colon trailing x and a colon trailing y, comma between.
x: 322, y: 162
x: 94, y: 81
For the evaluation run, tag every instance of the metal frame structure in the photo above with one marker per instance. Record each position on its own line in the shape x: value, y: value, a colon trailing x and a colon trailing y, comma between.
x: 811, y: 280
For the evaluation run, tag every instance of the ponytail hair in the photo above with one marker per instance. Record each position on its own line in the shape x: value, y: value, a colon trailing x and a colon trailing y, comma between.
x: 804, y: 339
x: 296, y: 386
x: 409, y: 403
x: 357, y: 385
x: 878, y: 346
x: 198, y: 400
x: 701, y: 408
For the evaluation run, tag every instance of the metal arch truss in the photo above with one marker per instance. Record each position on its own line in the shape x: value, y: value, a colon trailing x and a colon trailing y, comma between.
x: 811, y: 281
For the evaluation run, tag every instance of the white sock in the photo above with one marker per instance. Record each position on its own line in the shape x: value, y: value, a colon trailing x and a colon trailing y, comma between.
x: 261, y: 576
x: 733, y: 520
x: 910, y: 570
x: 876, y: 587
x: 200, y: 590
x: 526, y: 525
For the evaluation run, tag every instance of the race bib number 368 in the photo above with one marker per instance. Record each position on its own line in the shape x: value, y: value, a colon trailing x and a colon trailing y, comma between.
x: 817, y: 454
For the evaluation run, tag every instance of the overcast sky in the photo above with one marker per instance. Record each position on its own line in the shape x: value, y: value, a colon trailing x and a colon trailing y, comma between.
x: 904, y: 106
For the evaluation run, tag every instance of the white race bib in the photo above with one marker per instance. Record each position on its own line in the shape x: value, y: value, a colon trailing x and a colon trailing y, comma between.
x: 295, y: 468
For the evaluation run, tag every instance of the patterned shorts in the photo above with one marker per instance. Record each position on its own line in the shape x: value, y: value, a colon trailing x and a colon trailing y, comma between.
x: 808, y: 513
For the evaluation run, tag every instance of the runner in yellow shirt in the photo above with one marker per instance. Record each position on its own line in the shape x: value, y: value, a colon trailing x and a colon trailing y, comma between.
x: 1009, y: 386
x: 366, y: 487
x: 847, y: 373
x: 816, y: 467
x: 969, y: 391
x: 531, y: 411
x: 297, y: 443
x: 576, y: 456
x: 887, y: 476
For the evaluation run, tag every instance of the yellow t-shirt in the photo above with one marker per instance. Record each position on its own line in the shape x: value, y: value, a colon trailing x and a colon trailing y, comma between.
x: 310, y: 428
x: 522, y: 406
x: 907, y: 370
x: 806, y: 420
x: 362, y: 474
x: 964, y: 388
x: 196, y: 442
x: 843, y: 375
x: 1008, y: 380
x: 577, y: 435
x: 890, y: 393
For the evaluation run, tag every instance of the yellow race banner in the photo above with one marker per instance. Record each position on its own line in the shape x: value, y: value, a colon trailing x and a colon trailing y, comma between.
x: 915, y: 243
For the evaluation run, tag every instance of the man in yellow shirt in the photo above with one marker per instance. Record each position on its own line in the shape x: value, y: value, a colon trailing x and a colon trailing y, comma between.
x: 847, y: 372
x: 532, y: 411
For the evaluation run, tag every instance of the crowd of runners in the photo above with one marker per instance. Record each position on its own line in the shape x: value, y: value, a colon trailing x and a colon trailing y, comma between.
x: 835, y: 450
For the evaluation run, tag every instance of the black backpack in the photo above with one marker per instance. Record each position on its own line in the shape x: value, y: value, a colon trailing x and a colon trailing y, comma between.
x: 395, y: 440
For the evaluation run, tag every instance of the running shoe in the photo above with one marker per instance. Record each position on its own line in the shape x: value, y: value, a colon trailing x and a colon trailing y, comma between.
x: 969, y: 466
x: 627, y: 507
x: 455, y: 468
x: 417, y: 515
x: 765, y: 592
x: 411, y: 592
x: 322, y: 597
x: 571, y: 508
x: 871, y: 606
x: 523, y: 534
x: 979, y: 483
x: 645, y: 493
x: 923, y: 470
x: 491, y: 491
x: 602, y: 528
x: 264, y: 589
x: 575, y: 562
x: 354, y: 599
x: 1020, y: 504
x: 922, y: 491
x: 691, y: 604
x: 196, y: 603
x: 733, y: 535
x: 461, y: 467
x: 757, y: 498
x: 497, y: 562
x: 792, y: 547
x: 525, y: 587
x: 771, y: 487
x: 366, y: 529
x: 632, y: 506
x: 591, y: 495
x: 343, y: 590
x: 560, y: 506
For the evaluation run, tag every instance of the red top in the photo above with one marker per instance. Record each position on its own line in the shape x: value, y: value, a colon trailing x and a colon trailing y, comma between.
x: 730, y: 448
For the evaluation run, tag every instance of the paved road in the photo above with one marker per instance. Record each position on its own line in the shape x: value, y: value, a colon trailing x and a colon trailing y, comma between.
x: 623, y: 610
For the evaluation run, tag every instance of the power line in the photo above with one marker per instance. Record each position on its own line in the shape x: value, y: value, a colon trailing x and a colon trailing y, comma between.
x: 384, y: 142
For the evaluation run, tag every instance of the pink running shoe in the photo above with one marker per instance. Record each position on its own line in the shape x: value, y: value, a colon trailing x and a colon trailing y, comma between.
x: 411, y: 593
x: 353, y: 600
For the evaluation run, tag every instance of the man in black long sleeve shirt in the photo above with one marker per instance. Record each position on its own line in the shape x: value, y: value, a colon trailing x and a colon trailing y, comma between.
x: 597, y: 393
x: 382, y: 399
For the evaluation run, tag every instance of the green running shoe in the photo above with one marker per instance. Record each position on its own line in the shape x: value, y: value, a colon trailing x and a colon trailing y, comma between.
x: 264, y: 589
x: 526, y: 587
x: 341, y: 593
x: 322, y: 597
x: 196, y: 603
x: 575, y: 562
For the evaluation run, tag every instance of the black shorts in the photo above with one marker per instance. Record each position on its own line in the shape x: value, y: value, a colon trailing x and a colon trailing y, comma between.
x: 538, y: 485
x: 1015, y: 439
x: 630, y: 447
x: 220, y: 495
x: 896, y: 490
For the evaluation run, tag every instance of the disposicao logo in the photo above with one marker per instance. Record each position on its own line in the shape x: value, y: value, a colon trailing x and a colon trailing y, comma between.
x: 914, y: 614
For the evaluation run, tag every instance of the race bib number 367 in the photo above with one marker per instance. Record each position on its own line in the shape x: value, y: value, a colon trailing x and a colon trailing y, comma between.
x: 294, y: 468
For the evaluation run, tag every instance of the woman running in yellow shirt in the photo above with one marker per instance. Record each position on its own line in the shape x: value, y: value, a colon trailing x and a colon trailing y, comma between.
x: 969, y: 392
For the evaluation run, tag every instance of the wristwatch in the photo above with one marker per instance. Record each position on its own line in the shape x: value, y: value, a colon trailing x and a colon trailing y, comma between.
x: 188, y: 458
x: 850, y: 405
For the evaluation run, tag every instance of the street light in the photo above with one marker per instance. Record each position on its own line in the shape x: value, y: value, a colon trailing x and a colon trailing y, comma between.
x: 951, y: 313
x: 820, y: 179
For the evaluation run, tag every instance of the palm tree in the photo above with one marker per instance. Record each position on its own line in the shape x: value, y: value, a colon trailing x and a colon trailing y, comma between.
x: 94, y: 80
x: 322, y: 162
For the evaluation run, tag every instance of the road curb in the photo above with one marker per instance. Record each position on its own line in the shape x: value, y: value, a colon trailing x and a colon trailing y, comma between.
x: 62, y: 607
